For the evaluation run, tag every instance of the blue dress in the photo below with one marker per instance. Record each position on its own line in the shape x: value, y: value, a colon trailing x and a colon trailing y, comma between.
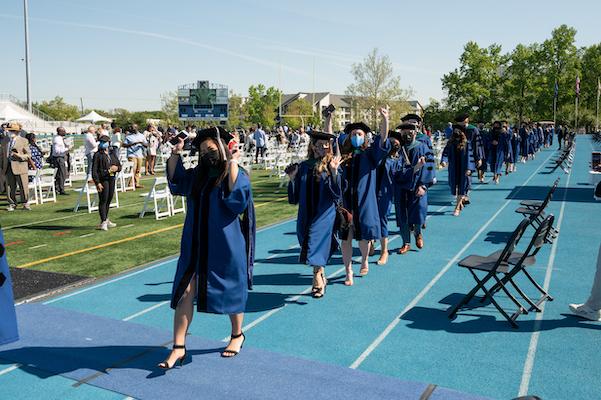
x: 8, y: 318
x: 217, y: 246
x: 385, y: 184
x: 459, y: 162
x: 317, y: 199
x: 359, y: 189
x: 409, y: 208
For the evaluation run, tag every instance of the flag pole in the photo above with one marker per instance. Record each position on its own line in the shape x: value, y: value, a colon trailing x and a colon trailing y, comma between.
x: 554, y: 105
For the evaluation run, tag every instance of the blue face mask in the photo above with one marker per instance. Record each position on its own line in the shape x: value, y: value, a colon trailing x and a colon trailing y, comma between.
x: 357, y: 141
x: 103, y: 145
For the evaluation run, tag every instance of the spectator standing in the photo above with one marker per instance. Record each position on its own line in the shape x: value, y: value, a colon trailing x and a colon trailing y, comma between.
x: 135, y: 143
x: 60, y: 153
x: 91, y: 146
x: 37, y: 156
x: 14, y: 162
x: 105, y: 166
x: 260, y: 142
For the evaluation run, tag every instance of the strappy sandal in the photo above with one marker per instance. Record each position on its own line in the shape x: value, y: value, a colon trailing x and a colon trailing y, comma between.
x: 364, y: 271
x: 320, y: 290
x: 181, y: 360
x: 233, y: 353
x: 349, y: 278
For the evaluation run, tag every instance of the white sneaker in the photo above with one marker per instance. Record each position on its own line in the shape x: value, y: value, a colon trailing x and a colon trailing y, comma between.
x: 103, y: 227
x: 10, y: 208
x: 110, y: 224
x: 27, y: 207
x: 584, y: 311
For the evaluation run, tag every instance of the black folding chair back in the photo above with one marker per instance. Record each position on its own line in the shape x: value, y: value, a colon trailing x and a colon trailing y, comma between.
x: 535, y: 211
x: 493, y: 265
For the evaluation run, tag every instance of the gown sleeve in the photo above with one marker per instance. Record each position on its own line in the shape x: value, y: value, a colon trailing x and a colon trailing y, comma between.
x: 427, y: 172
x: 378, y: 151
x: 237, y: 199
x: 294, y: 187
x: 445, y: 153
x: 180, y: 179
x: 335, y: 186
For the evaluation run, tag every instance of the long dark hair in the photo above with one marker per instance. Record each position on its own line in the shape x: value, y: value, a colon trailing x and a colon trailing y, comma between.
x: 459, y: 139
x: 202, y: 173
x: 31, y: 139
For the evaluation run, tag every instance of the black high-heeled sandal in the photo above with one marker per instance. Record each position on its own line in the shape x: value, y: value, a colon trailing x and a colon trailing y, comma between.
x: 181, y: 360
x: 320, y: 291
x: 234, y: 353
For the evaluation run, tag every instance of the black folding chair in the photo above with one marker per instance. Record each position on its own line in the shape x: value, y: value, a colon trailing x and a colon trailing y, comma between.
x: 495, y: 265
x: 521, y: 261
x: 535, y: 211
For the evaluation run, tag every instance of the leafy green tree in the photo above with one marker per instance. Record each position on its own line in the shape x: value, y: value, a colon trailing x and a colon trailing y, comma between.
x: 58, y: 109
x: 261, y: 105
x: 375, y: 85
x: 298, y: 107
x: 591, y: 73
x: 437, y: 115
x: 523, y: 83
x: 236, y: 112
x: 170, y: 108
x: 476, y: 84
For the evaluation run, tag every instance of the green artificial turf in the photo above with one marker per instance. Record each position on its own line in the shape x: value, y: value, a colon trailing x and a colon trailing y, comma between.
x: 58, y: 230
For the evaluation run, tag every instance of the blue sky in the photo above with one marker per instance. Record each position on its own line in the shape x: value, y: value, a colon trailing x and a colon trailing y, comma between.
x: 126, y: 53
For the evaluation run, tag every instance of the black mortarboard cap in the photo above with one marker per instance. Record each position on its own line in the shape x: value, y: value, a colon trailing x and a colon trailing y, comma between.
x: 318, y: 135
x: 356, y: 125
x: 411, y: 116
x: 460, y: 127
x: 461, y: 117
x: 395, y: 135
x: 211, y: 133
x: 407, y: 125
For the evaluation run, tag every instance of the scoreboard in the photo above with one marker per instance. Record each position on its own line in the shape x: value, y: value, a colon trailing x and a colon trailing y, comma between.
x: 203, y: 101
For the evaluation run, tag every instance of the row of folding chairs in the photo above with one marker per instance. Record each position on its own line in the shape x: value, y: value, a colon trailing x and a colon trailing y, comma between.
x: 565, y: 160
x: 497, y: 271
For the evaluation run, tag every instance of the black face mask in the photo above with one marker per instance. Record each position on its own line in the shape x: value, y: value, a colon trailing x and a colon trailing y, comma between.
x: 210, y: 159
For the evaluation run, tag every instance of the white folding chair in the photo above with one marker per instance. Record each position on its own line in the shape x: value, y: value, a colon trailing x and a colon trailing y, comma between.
x: 45, y: 185
x: 91, y: 193
x: 33, y: 186
x: 125, y: 178
x: 160, y: 196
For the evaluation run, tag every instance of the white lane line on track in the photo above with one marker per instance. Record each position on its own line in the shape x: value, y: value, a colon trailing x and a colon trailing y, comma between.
x: 531, y: 355
x: 151, y: 267
x: 436, y: 278
x: 308, y: 290
x: 140, y: 313
x: 10, y: 369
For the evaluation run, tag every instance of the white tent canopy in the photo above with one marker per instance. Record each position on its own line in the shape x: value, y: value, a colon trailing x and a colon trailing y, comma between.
x: 10, y: 112
x: 93, y: 117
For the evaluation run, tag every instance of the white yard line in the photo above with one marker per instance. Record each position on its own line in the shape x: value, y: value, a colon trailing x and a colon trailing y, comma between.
x: 38, y: 246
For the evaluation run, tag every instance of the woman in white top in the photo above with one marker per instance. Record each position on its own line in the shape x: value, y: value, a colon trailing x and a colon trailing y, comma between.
x: 153, y: 138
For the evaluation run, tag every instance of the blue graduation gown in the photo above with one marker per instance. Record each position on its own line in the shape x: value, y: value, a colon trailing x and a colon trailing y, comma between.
x: 459, y: 162
x: 359, y: 189
x: 214, y: 245
x: 524, y: 142
x: 515, y: 147
x: 8, y: 318
x: 316, y: 218
x: 498, y: 153
x: 385, y: 183
x: 409, y: 208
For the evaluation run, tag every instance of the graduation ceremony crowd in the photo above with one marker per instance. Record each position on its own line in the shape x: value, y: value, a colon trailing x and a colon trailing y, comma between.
x: 345, y: 190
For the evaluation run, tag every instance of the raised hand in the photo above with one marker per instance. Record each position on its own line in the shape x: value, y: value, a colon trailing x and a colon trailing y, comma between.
x: 178, y: 147
x: 384, y: 112
x: 335, y: 163
x: 292, y: 170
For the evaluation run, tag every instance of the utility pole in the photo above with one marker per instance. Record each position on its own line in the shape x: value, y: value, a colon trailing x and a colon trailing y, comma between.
x: 27, y: 81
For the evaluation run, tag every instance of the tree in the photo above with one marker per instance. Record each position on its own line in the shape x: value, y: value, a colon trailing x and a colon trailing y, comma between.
x: 261, y: 105
x: 170, y: 107
x: 58, y: 110
x: 475, y: 85
x: 523, y: 84
x: 591, y: 73
x: 375, y: 86
x: 298, y: 107
x: 236, y: 116
x: 437, y: 116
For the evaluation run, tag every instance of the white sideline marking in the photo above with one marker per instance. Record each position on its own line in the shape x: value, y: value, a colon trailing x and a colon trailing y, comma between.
x: 142, y: 270
x: 145, y: 311
x: 436, y: 278
x: 38, y: 246
x: 86, y: 235
x: 529, y: 363
x: 128, y: 226
x: 9, y: 369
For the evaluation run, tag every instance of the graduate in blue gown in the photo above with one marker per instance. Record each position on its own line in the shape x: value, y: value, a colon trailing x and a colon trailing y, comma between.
x: 514, y: 143
x: 459, y: 158
x: 498, y: 150
x: 385, y: 185
x: 8, y: 319
x: 524, y: 142
x: 414, y: 175
x: 477, y: 147
x: 422, y: 137
x: 360, y: 161
x: 315, y: 186
x: 217, y: 246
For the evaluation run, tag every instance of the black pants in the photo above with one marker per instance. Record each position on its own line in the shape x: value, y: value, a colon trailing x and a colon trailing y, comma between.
x: 559, y: 140
x: 105, y: 197
x: 61, y: 174
x: 260, y: 150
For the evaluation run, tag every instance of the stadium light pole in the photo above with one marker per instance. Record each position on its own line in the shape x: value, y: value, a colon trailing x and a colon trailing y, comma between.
x: 27, y: 81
